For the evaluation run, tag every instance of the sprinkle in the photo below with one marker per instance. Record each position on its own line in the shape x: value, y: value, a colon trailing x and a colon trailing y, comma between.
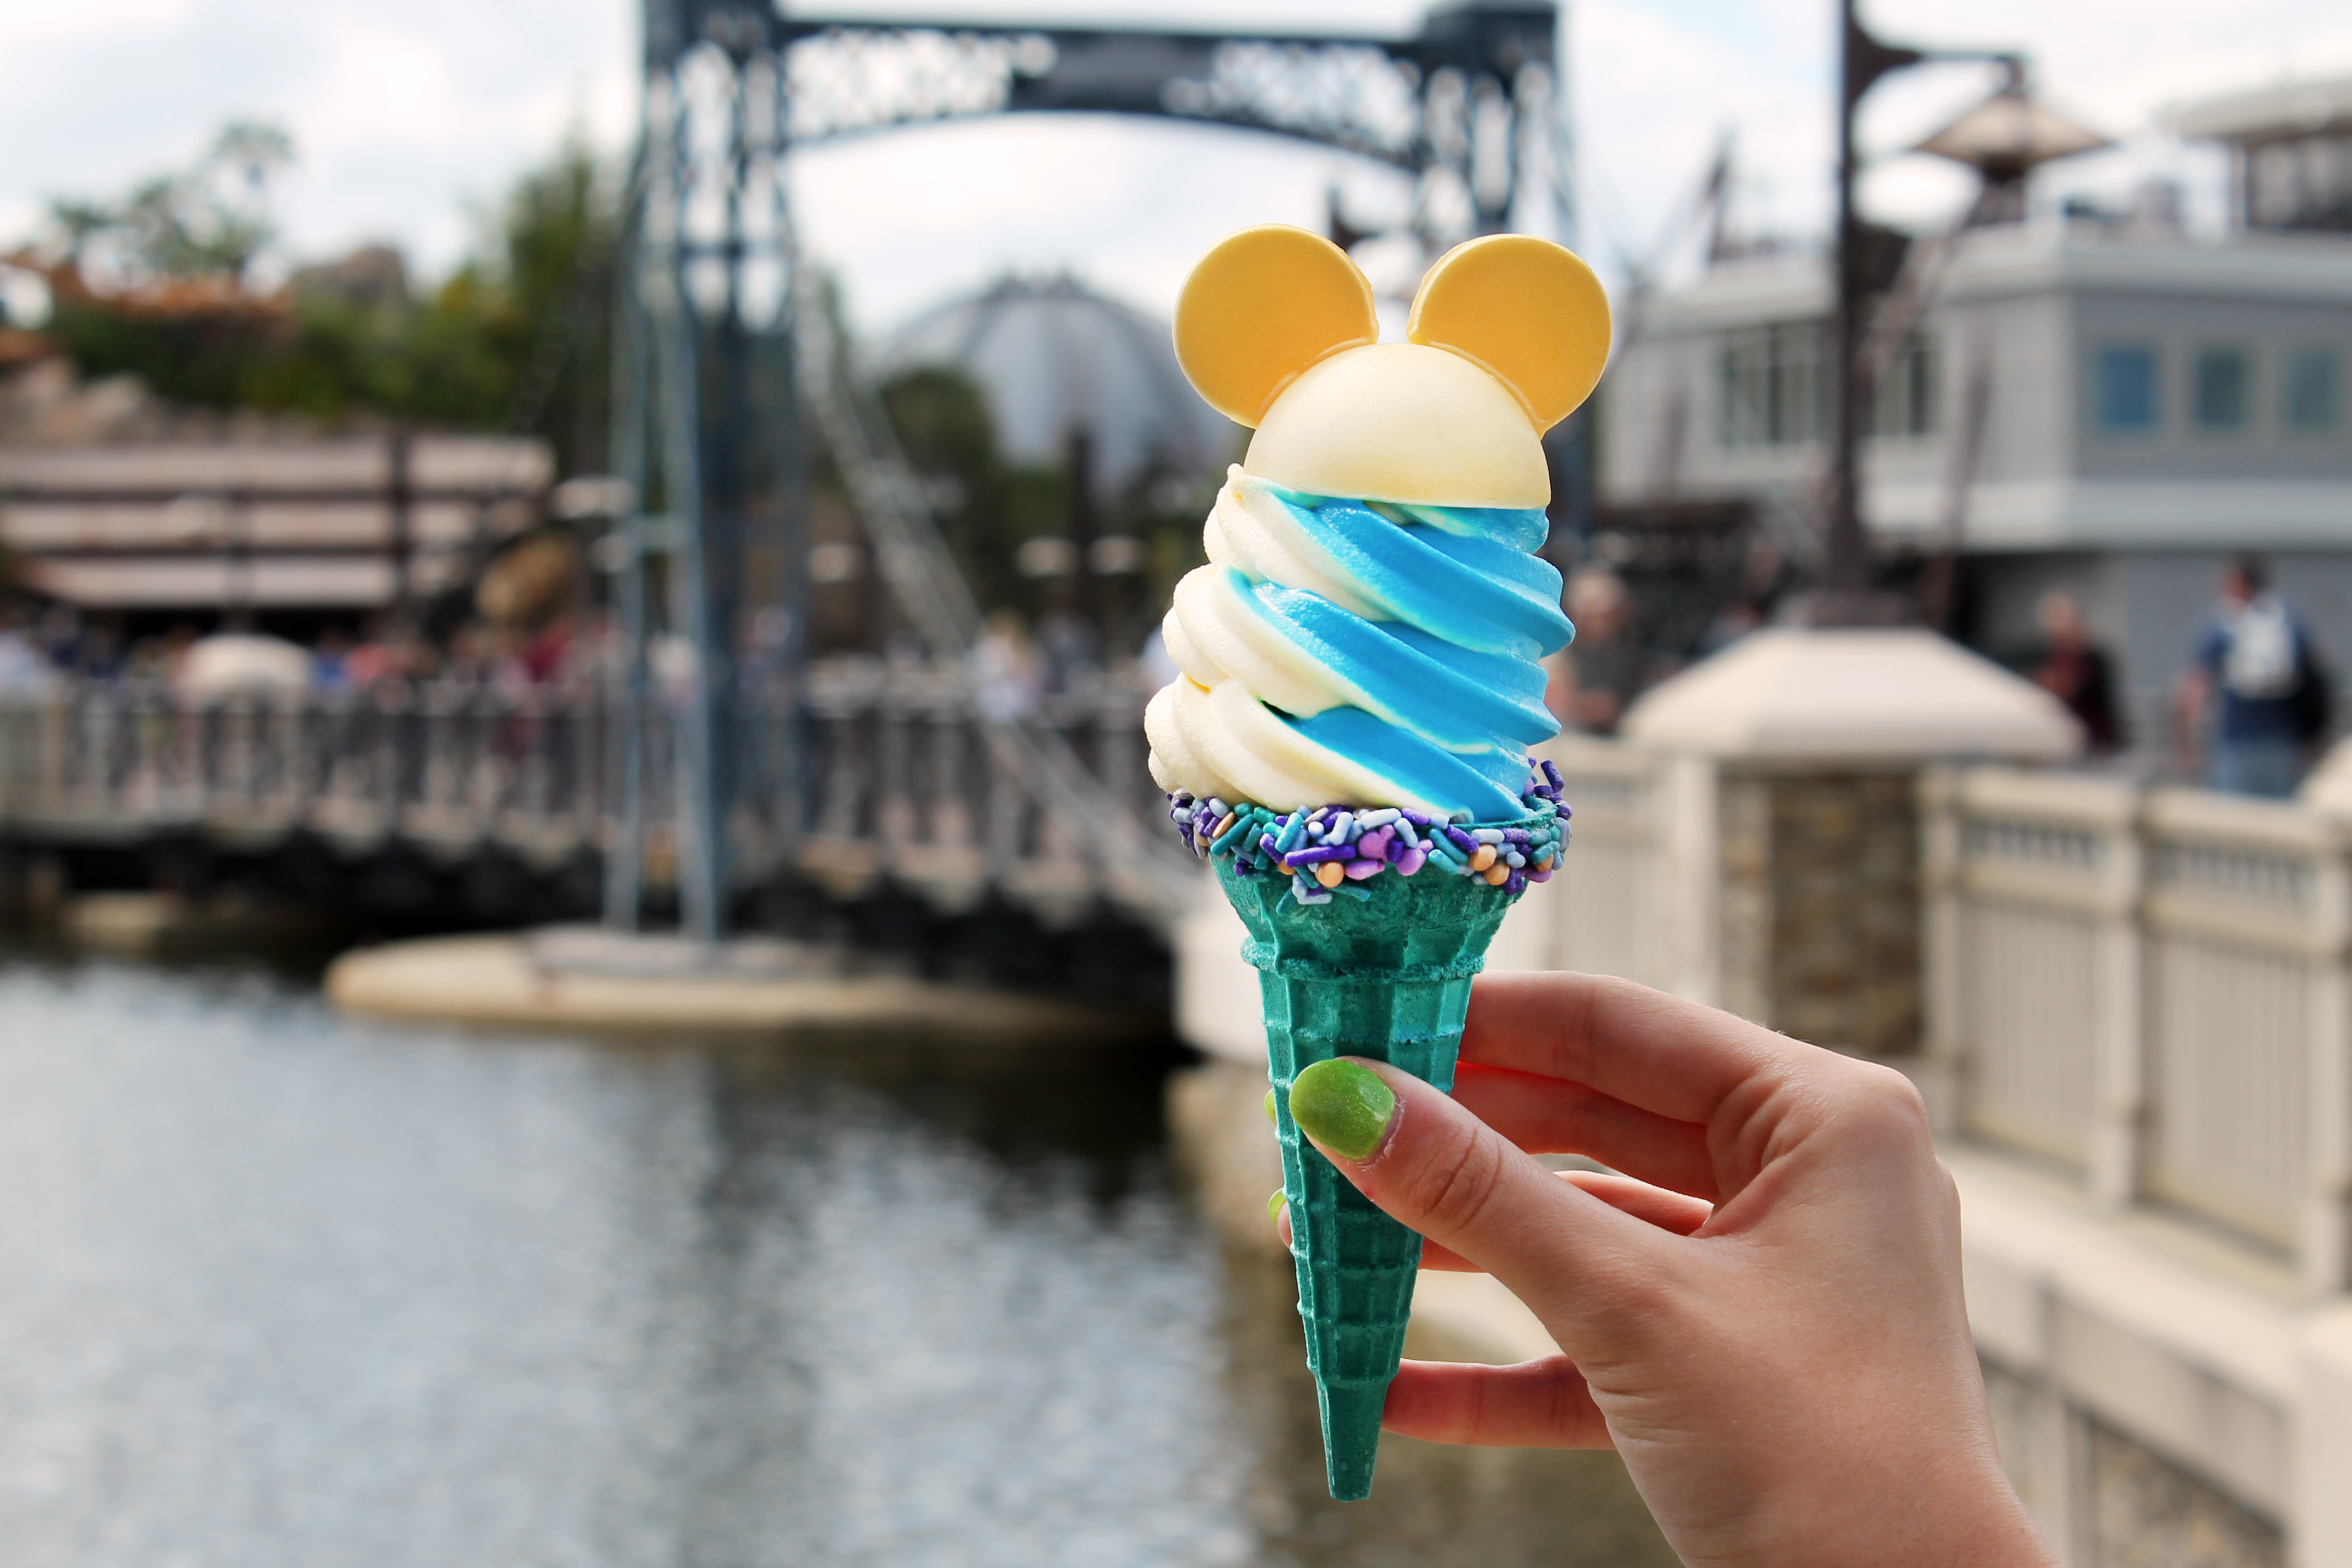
x: 1332, y: 848
x: 1551, y: 773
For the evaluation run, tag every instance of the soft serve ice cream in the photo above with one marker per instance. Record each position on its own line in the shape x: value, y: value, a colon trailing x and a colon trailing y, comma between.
x: 1343, y: 649
x: 1369, y: 625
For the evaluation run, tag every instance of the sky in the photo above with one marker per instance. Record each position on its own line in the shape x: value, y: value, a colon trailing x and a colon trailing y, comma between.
x: 410, y: 119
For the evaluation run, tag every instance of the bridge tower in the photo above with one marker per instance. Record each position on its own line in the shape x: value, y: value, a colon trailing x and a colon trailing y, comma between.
x: 708, y: 405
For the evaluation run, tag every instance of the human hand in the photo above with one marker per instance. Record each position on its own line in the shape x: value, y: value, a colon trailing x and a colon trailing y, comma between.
x: 1762, y: 1314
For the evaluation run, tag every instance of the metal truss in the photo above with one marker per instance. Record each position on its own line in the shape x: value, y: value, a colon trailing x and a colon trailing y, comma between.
x: 1466, y: 106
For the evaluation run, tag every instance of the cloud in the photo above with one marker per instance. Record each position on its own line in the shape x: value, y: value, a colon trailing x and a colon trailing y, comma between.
x: 411, y: 118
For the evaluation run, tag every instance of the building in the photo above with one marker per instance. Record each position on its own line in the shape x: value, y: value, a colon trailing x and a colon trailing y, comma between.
x: 2098, y: 403
x: 113, y: 506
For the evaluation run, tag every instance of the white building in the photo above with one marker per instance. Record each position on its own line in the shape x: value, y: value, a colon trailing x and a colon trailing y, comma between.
x: 2101, y: 404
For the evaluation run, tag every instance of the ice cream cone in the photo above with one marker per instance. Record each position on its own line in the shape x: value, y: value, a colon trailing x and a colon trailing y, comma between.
x: 1386, y: 977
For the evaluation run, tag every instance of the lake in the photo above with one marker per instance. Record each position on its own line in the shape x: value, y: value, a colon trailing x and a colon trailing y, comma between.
x: 280, y: 1288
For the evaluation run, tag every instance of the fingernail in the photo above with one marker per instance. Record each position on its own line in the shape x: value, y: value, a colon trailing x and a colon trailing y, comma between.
x: 1274, y: 1201
x: 1343, y: 1106
x: 1269, y: 1108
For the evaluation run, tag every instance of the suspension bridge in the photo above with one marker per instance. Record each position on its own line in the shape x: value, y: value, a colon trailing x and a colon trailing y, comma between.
x: 706, y: 783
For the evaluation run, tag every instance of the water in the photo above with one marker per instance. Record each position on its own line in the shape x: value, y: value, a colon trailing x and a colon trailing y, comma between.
x: 277, y: 1288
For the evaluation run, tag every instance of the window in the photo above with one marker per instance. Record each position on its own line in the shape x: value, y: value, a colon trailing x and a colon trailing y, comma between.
x: 2222, y: 376
x: 1904, y: 401
x: 1772, y: 386
x: 2314, y: 379
x: 2124, y: 386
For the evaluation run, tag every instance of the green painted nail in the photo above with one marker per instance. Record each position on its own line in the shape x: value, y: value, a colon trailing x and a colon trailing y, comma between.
x: 1274, y: 1202
x: 1269, y: 1108
x: 1343, y: 1106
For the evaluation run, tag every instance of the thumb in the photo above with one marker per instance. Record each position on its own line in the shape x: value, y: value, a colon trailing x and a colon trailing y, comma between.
x: 1593, y: 1274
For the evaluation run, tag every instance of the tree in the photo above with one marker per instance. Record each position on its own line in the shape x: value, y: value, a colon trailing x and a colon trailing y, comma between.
x: 159, y: 284
x: 208, y: 220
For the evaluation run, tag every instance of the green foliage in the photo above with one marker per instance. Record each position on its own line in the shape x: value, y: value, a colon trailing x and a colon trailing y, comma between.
x: 517, y: 338
x: 208, y: 220
x: 985, y: 507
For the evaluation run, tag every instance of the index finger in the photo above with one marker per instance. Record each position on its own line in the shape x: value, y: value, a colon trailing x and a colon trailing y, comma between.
x: 1677, y: 1059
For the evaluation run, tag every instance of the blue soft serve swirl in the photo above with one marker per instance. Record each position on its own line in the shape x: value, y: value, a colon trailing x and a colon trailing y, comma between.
x: 1373, y: 652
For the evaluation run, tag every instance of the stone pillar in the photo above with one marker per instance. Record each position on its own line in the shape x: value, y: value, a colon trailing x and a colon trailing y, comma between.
x: 1793, y: 851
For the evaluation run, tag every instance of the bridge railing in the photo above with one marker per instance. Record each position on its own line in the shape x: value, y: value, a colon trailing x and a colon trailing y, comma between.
x: 2146, y: 992
x: 905, y: 780
x: 912, y: 782
x: 2152, y: 990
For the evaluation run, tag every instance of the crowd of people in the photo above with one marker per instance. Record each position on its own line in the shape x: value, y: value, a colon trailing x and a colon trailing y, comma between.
x: 2251, y: 708
x: 2252, y: 705
x: 40, y: 647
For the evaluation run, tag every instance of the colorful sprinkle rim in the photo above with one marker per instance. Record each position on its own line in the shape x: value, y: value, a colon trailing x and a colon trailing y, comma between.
x: 1327, y: 850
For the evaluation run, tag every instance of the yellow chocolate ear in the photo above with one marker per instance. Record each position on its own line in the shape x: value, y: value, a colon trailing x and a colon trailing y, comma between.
x: 1524, y: 308
x: 1262, y: 307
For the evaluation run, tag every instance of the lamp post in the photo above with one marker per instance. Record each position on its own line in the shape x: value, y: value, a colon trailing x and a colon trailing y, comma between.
x: 1863, y: 59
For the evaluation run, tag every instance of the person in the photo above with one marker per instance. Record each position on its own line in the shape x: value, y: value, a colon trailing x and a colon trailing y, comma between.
x: 1762, y: 1314
x: 1592, y: 679
x: 1006, y: 677
x: 2256, y: 653
x: 2073, y: 671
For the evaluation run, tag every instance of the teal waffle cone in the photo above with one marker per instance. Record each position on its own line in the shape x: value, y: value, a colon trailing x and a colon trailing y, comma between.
x: 1386, y: 977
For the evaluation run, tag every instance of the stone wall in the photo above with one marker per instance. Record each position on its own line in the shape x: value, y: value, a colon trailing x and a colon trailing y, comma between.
x: 1820, y: 906
x: 2116, y: 1502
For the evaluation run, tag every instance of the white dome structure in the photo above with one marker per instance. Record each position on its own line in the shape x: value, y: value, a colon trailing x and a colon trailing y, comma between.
x: 1053, y: 356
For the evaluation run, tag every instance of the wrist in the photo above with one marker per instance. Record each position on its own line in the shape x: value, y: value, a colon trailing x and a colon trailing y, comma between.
x: 1943, y: 1512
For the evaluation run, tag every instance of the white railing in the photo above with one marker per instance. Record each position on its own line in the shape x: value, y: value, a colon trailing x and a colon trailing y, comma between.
x: 2148, y: 989
x: 1606, y: 911
x: 903, y: 781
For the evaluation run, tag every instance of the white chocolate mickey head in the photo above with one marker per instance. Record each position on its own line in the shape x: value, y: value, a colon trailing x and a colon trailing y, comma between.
x: 1508, y: 335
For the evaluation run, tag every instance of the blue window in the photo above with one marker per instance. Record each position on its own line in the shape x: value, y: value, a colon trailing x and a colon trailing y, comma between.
x: 2222, y: 376
x: 2315, y: 381
x: 2124, y: 385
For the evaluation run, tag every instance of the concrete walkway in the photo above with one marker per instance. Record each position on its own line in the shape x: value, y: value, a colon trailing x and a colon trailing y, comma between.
x: 576, y: 979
